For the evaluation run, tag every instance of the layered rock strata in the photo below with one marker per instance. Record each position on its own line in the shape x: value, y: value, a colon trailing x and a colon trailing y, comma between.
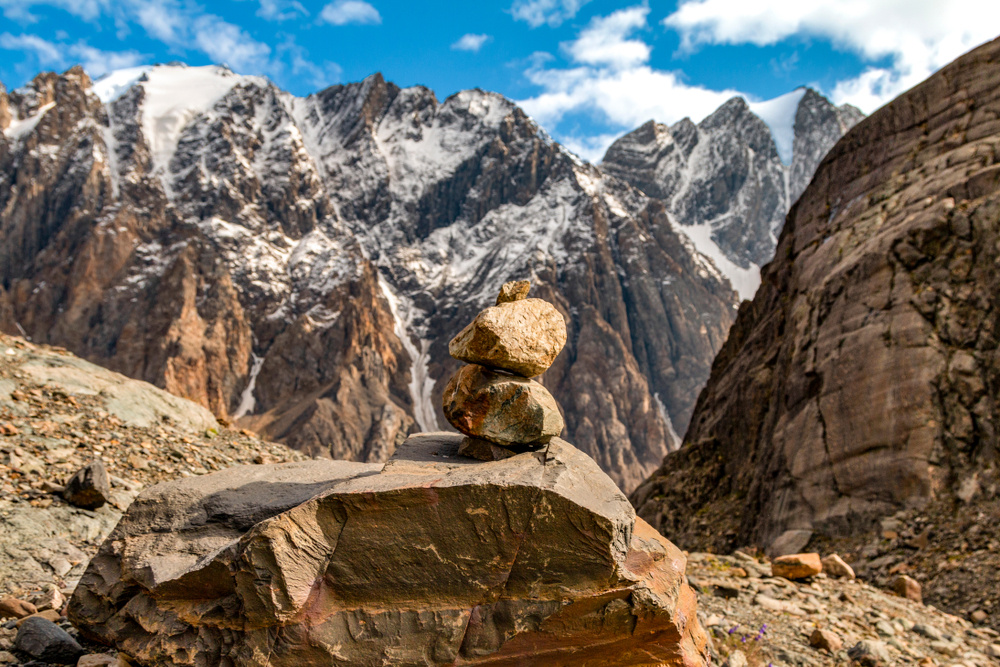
x: 498, y: 401
x: 431, y: 559
x: 862, y: 379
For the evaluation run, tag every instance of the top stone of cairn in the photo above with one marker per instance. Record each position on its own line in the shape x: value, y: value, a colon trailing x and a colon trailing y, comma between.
x: 518, y: 335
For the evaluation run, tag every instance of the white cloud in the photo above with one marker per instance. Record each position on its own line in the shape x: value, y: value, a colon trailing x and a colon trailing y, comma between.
x: 319, y: 75
x: 97, y: 62
x: 229, y: 44
x: 281, y: 10
x: 160, y: 20
x: 612, y: 80
x: 46, y: 52
x: 605, y: 41
x: 470, y: 42
x: 916, y: 36
x: 343, y: 12
x: 537, y: 13
x: 591, y: 149
x: 20, y: 10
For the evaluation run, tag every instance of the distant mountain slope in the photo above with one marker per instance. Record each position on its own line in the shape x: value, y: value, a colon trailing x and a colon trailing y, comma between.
x: 302, y: 263
x: 730, y: 179
x: 862, y: 379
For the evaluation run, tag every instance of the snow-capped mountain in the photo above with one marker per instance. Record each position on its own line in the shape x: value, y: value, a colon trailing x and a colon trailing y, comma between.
x: 731, y: 178
x: 299, y: 264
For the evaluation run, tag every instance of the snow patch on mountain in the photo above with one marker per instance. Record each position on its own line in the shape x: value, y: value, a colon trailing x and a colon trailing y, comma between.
x: 421, y: 383
x: 22, y: 127
x: 247, y: 399
x: 174, y: 95
x: 744, y: 280
x: 420, y: 154
x: 779, y: 114
x: 113, y: 85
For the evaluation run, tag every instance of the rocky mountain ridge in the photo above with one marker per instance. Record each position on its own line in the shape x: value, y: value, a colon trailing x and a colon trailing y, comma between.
x: 853, y: 402
x: 730, y: 179
x: 301, y: 263
x: 298, y: 264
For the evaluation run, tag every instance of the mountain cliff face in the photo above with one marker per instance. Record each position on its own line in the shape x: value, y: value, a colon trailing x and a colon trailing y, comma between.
x: 731, y: 178
x: 862, y: 379
x: 300, y: 264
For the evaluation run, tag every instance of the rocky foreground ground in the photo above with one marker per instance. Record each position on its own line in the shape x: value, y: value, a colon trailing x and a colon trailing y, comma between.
x: 58, y: 413
x: 773, y: 620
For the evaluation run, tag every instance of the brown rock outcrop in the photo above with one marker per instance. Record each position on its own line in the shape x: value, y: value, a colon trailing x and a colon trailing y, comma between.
x: 432, y: 559
x: 796, y: 566
x: 862, y: 377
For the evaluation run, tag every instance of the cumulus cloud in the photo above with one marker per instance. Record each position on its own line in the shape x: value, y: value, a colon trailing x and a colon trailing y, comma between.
x: 319, y: 75
x: 49, y: 54
x: 916, y: 36
x: 161, y: 20
x: 98, y: 63
x: 343, y: 12
x: 281, y: 10
x: 537, y: 13
x: 229, y: 44
x: 46, y: 52
x: 470, y: 42
x: 610, y: 78
x: 606, y: 40
x: 20, y: 10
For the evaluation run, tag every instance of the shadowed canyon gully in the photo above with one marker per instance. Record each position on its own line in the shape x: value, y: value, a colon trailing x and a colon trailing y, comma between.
x: 298, y: 264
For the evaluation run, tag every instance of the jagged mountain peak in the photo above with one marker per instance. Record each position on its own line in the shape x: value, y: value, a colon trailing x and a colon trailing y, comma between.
x: 302, y: 262
x: 730, y: 179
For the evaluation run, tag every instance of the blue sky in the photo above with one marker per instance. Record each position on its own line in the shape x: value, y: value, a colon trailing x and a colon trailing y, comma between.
x: 587, y: 70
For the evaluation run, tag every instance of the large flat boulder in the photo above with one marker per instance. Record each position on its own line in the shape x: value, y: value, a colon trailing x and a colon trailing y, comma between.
x: 431, y: 559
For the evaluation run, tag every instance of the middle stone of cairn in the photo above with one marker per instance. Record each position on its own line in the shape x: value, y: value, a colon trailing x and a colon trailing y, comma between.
x: 493, y: 400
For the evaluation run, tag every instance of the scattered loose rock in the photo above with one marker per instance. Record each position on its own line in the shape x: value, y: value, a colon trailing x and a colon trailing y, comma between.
x: 834, y: 566
x: 870, y: 653
x: 826, y: 640
x: 14, y: 608
x: 89, y: 488
x: 908, y: 587
x: 45, y: 641
x: 796, y: 566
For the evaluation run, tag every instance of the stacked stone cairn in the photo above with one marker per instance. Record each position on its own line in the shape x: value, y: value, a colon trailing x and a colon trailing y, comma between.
x: 493, y: 399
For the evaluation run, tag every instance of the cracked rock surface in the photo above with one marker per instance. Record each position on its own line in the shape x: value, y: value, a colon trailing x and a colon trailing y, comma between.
x: 430, y: 559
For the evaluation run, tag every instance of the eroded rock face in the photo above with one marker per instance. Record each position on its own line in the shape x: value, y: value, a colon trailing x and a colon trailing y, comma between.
x: 504, y: 409
x: 522, y: 336
x: 434, y: 559
x: 869, y: 353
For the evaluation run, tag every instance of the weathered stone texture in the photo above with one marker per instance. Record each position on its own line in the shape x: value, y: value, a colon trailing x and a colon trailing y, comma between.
x: 434, y: 559
x: 504, y: 409
x: 522, y: 336
x: 862, y: 378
